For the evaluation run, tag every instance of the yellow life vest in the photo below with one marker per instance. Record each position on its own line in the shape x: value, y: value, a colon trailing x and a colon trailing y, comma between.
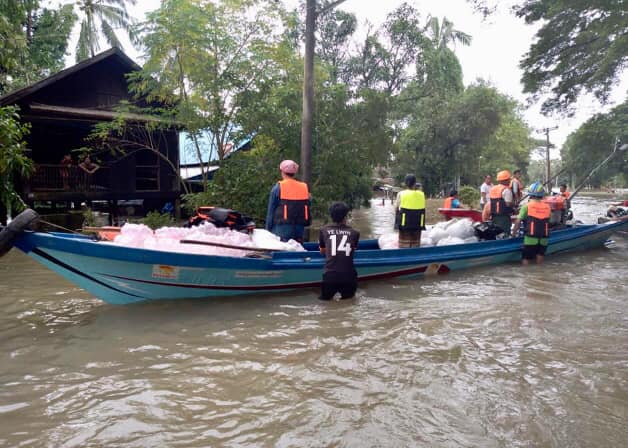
x: 411, y: 210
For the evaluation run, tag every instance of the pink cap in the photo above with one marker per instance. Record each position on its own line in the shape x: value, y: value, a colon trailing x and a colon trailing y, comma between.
x: 289, y: 167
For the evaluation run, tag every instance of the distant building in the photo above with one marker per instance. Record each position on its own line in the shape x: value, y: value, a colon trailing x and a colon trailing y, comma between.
x: 62, y: 110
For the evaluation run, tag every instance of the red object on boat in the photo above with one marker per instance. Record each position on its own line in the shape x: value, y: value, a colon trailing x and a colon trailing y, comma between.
x: 449, y: 213
x: 555, y: 202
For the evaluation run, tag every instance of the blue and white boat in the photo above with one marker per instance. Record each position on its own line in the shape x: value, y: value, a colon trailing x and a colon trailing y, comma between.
x: 122, y: 275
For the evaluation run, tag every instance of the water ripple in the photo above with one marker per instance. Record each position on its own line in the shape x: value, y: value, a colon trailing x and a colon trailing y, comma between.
x: 504, y: 356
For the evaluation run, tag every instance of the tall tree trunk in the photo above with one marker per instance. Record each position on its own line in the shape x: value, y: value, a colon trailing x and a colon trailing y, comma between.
x: 308, y: 92
x: 29, y: 27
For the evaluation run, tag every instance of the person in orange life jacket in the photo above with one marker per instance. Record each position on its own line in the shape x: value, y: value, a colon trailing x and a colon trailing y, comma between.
x: 452, y: 200
x: 563, y: 191
x: 502, y: 201
x: 536, y: 214
x: 288, y: 205
x: 338, y: 243
x: 410, y: 213
x: 516, y: 186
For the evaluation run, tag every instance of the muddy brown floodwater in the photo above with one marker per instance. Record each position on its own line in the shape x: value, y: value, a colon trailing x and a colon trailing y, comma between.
x: 491, y: 357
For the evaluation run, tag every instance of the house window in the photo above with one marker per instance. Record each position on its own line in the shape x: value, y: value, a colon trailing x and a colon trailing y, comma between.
x: 147, y: 172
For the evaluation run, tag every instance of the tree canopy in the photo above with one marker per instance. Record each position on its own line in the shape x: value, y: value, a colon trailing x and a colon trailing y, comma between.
x: 34, y: 40
x: 390, y: 101
x: 593, y: 142
x: 580, y: 47
x: 102, y: 17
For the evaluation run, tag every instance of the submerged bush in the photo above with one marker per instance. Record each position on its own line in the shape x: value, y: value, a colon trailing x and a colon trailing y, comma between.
x: 469, y: 196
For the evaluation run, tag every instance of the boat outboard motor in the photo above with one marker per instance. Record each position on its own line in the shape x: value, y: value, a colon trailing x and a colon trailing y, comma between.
x: 616, y: 211
x: 222, y: 217
x: 487, y: 230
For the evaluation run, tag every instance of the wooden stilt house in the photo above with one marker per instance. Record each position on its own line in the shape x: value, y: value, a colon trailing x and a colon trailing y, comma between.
x: 62, y: 110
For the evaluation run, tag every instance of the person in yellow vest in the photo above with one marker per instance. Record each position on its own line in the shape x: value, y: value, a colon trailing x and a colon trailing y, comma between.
x: 516, y: 186
x: 502, y: 201
x: 288, y: 205
x: 452, y: 200
x: 536, y: 214
x: 410, y: 213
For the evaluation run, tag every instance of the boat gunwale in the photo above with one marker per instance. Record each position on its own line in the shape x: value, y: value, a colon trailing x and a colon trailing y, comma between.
x: 84, y: 245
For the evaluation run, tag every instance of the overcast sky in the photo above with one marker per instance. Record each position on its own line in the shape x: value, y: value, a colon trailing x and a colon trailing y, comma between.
x: 498, y: 45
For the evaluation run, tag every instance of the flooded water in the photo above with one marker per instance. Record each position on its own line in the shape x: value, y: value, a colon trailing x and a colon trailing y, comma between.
x: 492, y: 357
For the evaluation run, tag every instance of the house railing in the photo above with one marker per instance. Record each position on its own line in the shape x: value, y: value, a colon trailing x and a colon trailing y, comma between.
x: 55, y: 177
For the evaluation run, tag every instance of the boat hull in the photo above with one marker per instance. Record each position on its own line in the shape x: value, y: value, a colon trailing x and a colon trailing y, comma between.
x: 122, y: 275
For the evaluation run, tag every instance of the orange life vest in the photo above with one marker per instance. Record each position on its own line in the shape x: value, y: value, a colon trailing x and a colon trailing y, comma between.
x: 294, y: 208
x: 448, y: 201
x: 498, y: 205
x: 538, y: 220
x: 566, y: 194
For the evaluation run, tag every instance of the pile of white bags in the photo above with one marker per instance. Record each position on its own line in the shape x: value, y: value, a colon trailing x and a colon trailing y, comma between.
x: 168, y: 239
x: 455, y: 231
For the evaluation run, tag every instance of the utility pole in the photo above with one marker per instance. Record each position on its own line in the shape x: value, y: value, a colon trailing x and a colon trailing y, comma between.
x: 307, y: 119
x: 308, y: 92
x: 546, y: 131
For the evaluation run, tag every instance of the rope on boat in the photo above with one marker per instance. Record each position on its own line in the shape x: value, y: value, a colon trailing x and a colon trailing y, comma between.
x: 228, y: 246
x: 58, y: 226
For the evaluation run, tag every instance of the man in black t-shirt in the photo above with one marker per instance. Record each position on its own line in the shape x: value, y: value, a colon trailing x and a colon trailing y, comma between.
x: 338, y: 242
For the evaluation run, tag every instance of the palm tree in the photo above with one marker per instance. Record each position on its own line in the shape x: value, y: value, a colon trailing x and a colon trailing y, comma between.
x: 102, y: 16
x: 443, y: 33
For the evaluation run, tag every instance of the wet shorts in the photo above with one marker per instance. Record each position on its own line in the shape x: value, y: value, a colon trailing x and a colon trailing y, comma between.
x: 330, y: 286
x: 530, y: 252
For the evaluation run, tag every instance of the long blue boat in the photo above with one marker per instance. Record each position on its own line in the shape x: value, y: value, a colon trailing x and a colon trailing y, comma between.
x: 122, y: 275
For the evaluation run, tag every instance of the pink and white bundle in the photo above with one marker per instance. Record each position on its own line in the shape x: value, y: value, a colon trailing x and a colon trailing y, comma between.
x: 169, y: 239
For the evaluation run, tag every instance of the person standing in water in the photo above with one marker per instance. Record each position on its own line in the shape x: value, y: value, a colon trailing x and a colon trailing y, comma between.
x: 536, y: 214
x: 338, y: 242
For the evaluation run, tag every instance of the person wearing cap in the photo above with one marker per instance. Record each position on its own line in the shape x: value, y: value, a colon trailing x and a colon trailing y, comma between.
x: 536, y: 214
x: 502, y: 201
x: 288, y: 205
x: 410, y: 213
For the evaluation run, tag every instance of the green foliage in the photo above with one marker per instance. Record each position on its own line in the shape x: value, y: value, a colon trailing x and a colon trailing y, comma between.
x: 351, y: 138
x: 34, y: 41
x: 192, y: 50
x: 469, y: 195
x: 335, y: 30
x: 155, y: 220
x: 384, y: 57
x: 593, y: 142
x: 371, y: 108
x: 581, y: 46
x: 14, y: 161
x: 124, y: 135
x: 509, y: 147
x: 101, y: 18
x: 89, y: 218
x: 446, y: 135
x: 243, y: 183
x: 439, y: 71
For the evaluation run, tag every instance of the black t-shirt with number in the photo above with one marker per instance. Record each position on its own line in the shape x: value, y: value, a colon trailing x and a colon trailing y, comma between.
x: 340, y: 242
